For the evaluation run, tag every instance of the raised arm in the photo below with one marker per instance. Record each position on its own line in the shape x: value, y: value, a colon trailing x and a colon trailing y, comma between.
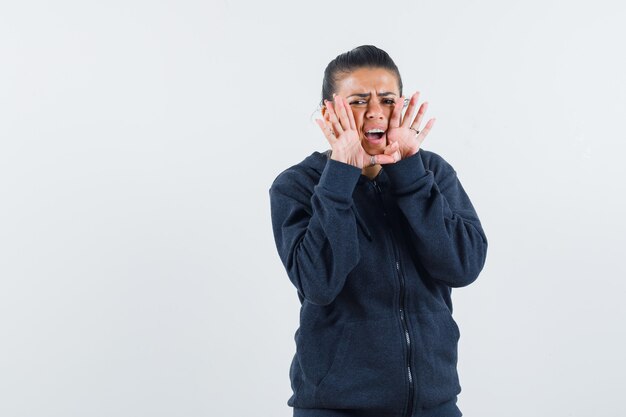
x: 447, y: 235
x: 445, y: 229
x: 316, y: 234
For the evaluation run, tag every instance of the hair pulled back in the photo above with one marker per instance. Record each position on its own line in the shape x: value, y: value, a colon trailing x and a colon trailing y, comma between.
x: 364, y: 56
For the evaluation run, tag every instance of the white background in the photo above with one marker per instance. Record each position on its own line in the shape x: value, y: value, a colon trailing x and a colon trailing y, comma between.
x: 138, y: 141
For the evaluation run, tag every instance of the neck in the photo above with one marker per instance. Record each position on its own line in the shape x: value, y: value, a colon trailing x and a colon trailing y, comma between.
x: 371, y: 171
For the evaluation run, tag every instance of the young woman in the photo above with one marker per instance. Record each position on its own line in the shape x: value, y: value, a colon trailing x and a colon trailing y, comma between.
x: 374, y: 233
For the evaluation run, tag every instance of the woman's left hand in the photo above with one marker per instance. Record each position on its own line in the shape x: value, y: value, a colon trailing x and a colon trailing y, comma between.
x: 403, y: 132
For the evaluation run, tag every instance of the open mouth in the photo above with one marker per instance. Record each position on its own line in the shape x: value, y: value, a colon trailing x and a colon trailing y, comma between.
x: 376, y: 136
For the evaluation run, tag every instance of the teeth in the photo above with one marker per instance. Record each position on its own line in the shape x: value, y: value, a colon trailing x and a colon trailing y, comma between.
x: 375, y: 131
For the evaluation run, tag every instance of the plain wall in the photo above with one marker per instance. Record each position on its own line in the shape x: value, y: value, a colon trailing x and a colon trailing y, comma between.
x: 138, y: 141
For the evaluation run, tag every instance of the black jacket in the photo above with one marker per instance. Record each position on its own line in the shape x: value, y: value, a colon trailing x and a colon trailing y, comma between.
x: 374, y: 262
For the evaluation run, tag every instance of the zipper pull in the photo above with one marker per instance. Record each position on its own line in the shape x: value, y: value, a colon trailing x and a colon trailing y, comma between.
x: 376, y: 186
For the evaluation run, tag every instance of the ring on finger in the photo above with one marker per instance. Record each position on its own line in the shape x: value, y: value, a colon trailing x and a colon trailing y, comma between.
x: 372, y: 160
x: 416, y: 131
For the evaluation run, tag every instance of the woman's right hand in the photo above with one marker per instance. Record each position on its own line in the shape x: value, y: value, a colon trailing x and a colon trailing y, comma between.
x: 340, y: 130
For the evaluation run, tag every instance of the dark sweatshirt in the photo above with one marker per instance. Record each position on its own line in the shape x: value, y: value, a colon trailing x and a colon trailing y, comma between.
x: 374, y: 263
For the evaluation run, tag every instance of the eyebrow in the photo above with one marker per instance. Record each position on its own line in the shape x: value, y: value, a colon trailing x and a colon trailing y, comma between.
x: 382, y: 93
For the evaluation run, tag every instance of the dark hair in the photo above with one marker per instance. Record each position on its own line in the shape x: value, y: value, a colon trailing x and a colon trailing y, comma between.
x: 364, y: 56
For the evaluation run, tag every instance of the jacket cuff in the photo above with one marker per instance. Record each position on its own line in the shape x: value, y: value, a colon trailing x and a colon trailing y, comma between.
x: 406, y: 171
x: 339, y: 177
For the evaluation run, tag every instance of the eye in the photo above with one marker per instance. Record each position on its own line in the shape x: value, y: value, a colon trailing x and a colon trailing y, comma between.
x: 388, y: 101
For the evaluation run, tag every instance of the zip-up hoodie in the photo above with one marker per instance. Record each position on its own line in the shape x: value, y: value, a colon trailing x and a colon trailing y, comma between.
x: 374, y: 262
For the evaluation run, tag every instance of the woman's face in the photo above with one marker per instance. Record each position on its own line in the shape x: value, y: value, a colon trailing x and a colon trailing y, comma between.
x: 372, y: 93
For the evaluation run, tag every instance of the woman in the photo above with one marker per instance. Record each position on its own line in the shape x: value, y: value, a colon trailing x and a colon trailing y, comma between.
x: 374, y: 233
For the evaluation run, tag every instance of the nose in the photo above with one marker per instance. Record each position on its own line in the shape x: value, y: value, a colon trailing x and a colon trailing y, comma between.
x: 374, y: 110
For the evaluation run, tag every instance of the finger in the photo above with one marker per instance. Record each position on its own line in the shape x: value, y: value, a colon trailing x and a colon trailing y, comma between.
x: 408, y: 115
x: 383, y: 159
x: 390, y: 149
x: 350, y: 115
x: 393, y: 151
x: 420, y: 116
x: 396, y: 113
x: 342, y: 112
x: 326, y: 130
x: 333, y: 118
x: 327, y: 123
x: 327, y: 113
x: 429, y: 125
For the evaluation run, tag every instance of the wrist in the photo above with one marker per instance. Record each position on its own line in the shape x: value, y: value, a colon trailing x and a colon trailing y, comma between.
x: 339, y: 157
x: 410, y: 152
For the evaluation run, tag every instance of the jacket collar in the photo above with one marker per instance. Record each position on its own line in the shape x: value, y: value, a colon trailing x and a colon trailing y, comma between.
x: 317, y: 161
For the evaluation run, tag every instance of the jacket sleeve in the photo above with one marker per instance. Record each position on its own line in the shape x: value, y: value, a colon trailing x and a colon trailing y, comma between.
x: 316, y: 234
x: 444, y: 227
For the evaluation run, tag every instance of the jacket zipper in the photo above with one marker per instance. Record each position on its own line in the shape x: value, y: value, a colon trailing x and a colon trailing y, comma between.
x: 402, y: 306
